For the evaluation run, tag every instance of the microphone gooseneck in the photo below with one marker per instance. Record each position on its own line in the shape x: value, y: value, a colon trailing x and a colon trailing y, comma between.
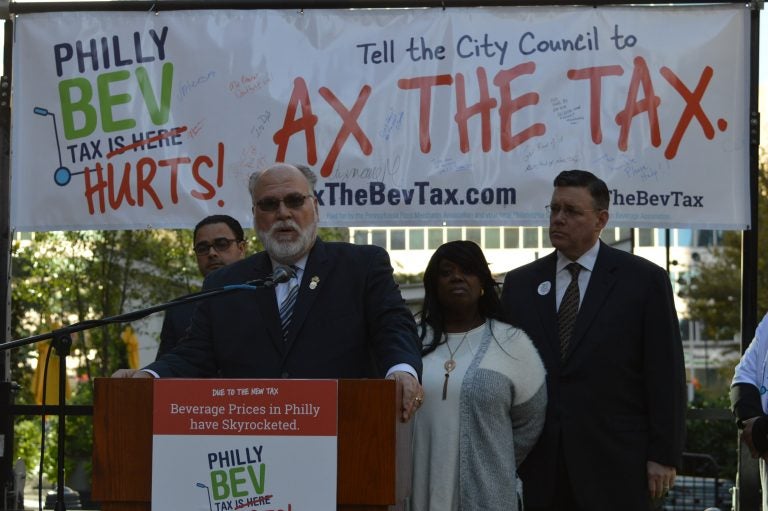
x: 279, y: 275
x: 282, y: 274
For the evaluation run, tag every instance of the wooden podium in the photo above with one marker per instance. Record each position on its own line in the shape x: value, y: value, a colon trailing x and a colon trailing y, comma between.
x: 374, y: 462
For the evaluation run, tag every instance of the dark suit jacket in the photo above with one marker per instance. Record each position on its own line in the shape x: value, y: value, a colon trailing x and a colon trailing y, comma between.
x: 352, y: 324
x: 175, y: 324
x: 618, y: 400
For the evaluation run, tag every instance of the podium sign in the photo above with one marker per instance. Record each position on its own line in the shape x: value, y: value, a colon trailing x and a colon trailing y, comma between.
x: 223, y: 445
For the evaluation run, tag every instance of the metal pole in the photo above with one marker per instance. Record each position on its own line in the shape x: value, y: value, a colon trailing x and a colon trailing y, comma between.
x: 748, y: 480
x: 6, y: 423
x: 6, y: 442
x: 62, y: 344
x: 172, y: 5
x: 5, y: 199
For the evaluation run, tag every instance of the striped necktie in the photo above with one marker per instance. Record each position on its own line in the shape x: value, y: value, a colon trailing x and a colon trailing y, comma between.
x: 286, y: 308
x: 569, y: 309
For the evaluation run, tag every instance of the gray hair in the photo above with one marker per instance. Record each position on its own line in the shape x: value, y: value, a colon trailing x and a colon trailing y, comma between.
x: 306, y: 171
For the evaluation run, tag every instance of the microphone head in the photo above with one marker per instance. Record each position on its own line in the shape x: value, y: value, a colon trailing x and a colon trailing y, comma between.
x: 282, y: 274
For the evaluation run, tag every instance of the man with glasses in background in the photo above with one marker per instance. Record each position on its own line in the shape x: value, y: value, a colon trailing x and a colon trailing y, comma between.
x: 218, y: 241
x: 605, y: 325
x: 339, y: 315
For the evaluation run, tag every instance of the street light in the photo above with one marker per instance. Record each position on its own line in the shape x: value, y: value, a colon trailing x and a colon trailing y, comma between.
x: 201, y: 485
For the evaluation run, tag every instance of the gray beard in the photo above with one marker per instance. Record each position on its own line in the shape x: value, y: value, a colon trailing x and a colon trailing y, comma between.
x: 288, y: 252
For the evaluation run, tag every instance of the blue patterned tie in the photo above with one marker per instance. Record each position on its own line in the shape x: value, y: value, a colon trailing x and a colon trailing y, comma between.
x: 569, y: 309
x: 286, y: 308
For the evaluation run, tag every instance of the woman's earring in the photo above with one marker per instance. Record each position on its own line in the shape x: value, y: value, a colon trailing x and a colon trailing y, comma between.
x: 482, y: 291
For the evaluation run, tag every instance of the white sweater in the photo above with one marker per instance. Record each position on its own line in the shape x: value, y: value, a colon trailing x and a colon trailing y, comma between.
x: 467, y: 447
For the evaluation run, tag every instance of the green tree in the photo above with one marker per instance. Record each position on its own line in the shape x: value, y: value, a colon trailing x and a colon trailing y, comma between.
x: 713, y: 293
x: 66, y: 277
x: 60, y: 278
x: 714, y: 437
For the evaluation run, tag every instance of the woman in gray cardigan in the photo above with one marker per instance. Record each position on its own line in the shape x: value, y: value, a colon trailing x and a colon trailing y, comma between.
x: 485, y: 393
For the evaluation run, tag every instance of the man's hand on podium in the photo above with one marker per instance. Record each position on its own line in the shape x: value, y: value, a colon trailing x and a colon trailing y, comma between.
x: 131, y: 373
x: 410, y: 395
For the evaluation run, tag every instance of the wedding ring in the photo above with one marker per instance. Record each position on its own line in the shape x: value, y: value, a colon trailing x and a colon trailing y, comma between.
x: 419, y: 399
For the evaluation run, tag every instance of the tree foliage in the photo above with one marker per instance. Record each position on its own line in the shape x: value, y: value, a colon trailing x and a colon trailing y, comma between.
x: 713, y: 292
x: 62, y: 278
x: 713, y: 437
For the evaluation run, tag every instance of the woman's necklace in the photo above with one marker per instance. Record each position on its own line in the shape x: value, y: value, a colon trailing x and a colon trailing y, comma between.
x: 450, y: 364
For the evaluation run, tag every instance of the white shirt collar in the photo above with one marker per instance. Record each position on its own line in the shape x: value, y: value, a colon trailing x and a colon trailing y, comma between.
x: 300, y: 264
x: 587, y: 259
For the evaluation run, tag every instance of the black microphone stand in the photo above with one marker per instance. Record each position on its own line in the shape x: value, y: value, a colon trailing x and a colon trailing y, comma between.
x: 62, y: 342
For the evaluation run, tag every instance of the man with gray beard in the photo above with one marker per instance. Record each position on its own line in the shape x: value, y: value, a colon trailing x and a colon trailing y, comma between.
x: 346, y: 317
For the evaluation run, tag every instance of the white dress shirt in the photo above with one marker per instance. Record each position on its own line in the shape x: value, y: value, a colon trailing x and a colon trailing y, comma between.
x: 563, y: 276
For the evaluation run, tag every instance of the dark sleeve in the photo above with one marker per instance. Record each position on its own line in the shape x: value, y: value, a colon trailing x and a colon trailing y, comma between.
x: 665, y: 372
x: 745, y: 404
x: 193, y: 357
x: 175, y: 324
x: 389, y: 323
x: 760, y: 434
x: 167, y: 335
x: 511, y: 311
x: 745, y: 401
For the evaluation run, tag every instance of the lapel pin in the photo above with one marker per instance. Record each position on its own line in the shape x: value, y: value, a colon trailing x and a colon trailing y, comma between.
x: 544, y: 288
x: 313, y: 282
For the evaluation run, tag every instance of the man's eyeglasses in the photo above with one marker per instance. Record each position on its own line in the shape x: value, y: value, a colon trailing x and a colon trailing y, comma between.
x: 291, y: 201
x: 567, y: 211
x: 219, y: 245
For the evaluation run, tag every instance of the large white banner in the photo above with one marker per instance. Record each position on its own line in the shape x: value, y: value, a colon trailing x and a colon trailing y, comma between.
x: 409, y: 116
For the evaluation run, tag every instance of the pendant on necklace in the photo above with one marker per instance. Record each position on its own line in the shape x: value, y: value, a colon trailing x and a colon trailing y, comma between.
x: 449, y: 366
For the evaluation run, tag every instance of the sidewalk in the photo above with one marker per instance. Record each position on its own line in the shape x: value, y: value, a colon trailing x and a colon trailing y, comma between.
x: 30, y: 495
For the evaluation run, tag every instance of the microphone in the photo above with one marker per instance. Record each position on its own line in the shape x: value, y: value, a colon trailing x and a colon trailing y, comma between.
x: 281, y: 274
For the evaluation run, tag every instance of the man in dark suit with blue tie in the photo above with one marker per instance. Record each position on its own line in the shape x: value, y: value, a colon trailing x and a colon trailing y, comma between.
x: 348, y: 319
x: 605, y: 324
